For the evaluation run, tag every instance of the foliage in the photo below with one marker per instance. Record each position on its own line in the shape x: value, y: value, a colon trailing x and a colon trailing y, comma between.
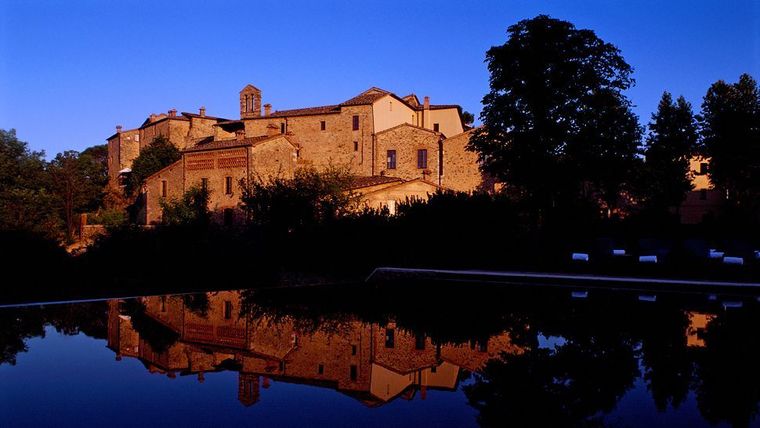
x: 730, y: 121
x: 190, y: 210
x: 311, y: 197
x: 671, y: 142
x: 25, y: 201
x: 159, y: 154
x: 555, y: 119
x: 109, y: 217
x: 468, y: 118
x: 77, y: 182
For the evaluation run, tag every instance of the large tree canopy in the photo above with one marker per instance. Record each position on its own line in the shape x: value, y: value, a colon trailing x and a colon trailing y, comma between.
x: 159, y: 154
x: 730, y: 122
x: 555, y: 118
x: 671, y: 142
x: 25, y: 202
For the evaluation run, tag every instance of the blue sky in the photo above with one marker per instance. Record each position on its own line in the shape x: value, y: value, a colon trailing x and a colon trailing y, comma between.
x: 71, y: 70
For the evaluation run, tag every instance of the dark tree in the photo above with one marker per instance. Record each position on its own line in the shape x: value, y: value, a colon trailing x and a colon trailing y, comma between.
x: 554, y: 90
x: 468, y: 118
x: 671, y: 142
x: 159, y: 154
x: 190, y: 210
x: 25, y: 203
x: 311, y: 197
x: 730, y: 122
x: 77, y: 182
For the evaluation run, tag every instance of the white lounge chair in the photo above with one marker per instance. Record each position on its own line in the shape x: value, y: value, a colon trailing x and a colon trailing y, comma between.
x: 648, y: 259
x: 733, y: 260
x: 580, y: 257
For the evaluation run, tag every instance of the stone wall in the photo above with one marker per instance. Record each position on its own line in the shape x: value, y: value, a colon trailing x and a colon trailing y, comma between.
x: 406, y: 140
x: 173, y: 176
x: 460, y: 166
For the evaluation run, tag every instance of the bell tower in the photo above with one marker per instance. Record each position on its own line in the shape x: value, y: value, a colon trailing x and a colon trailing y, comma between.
x: 250, y: 102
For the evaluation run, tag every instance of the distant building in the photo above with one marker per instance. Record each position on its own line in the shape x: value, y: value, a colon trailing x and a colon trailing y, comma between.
x: 421, y: 146
x: 704, y: 199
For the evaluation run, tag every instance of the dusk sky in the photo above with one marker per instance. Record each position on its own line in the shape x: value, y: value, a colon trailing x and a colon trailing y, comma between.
x: 70, y: 71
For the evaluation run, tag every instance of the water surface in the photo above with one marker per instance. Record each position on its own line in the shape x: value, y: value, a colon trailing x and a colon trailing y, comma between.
x: 410, y: 355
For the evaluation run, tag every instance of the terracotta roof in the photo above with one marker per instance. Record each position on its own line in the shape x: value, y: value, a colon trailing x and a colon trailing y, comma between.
x: 358, y: 182
x: 218, y: 119
x: 225, y: 144
x: 438, y: 106
x: 309, y: 111
x: 410, y: 126
x: 367, y: 97
x: 161, y: 119
x: 245, y: 142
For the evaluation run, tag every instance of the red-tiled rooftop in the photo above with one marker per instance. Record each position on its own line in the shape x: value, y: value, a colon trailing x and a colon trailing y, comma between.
x: 225, y: 144
x: 309, y: 111
x: 359, y: 181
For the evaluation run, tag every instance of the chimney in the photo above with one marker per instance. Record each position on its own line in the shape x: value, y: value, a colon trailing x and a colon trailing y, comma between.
x: 202, y: 111
x: 267, y: 109
x: 240, y: 134
x: 173, y: 112
x: 272, y: 130
x: 118, y: 129
x: 426, y: 114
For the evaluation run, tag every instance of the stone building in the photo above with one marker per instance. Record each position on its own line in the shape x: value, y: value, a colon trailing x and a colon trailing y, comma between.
x: 418, y: 147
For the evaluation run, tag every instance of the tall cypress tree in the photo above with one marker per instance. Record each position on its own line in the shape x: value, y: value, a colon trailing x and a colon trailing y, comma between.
x: 671, y: 142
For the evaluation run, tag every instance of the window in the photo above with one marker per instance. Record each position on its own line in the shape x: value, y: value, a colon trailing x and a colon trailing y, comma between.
x: 356, y: 122
x: 422, y: 158
x: 703, y: 195
x: 353, y: 349
x: 321, y: 369
x: 282, y: 128
x: 322, y: 125
x: 163, y: 188
x: 419, y: 342
x: 436, y: 127
x: 703, y: 168
x: 228, y: 185
x: 356, y: 146
x: 228, y: 216
x: 354, y: 372
x: 389, y: 338
x: 204, y: 183
x: 227, y: 309
x: 433, y: 369
x: 391, y: 159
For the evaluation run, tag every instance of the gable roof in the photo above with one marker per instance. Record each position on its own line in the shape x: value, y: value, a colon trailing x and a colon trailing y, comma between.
x: 410, y: 126
x: 192, y: 115
x: 249, y: 87
x: 367, y: 97
x: 404, y: 183
x: 359, y: 181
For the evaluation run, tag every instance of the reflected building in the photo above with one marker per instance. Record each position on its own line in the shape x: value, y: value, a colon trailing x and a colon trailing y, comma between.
x: 698, y: 322
x: 372, y: 363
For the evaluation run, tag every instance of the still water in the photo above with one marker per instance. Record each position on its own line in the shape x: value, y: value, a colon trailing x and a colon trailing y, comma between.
x: 409, y: 355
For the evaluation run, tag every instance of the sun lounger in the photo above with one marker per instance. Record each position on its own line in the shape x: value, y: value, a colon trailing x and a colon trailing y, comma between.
x: 647, y: 259
x: 580, y: 257
x: 733, y: 260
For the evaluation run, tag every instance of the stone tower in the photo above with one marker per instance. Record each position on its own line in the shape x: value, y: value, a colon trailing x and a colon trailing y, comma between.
x: 250, y: 102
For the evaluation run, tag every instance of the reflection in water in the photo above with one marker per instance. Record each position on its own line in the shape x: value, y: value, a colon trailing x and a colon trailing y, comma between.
x: 374, y: 363
x: 491, y: 347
